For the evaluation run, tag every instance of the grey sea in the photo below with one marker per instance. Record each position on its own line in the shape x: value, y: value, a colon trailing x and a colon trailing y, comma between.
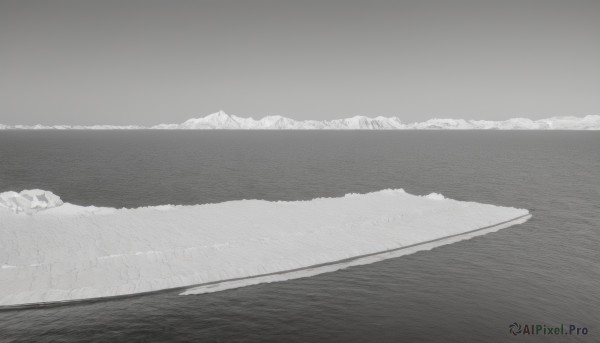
x: 544, y: 273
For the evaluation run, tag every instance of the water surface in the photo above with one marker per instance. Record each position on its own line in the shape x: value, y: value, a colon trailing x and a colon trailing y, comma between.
x: 546, y: 271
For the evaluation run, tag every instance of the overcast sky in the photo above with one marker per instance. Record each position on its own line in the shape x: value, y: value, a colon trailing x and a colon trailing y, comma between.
x: 148, y: 62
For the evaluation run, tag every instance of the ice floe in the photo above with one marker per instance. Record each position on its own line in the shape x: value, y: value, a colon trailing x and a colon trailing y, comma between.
x: 52, y: 252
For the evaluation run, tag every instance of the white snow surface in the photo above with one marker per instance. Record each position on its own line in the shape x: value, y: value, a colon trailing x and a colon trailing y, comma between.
x: 223, y: 121
x: 51, y: 252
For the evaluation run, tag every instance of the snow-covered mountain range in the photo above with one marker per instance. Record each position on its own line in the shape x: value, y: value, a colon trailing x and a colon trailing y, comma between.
x: 223, y: 121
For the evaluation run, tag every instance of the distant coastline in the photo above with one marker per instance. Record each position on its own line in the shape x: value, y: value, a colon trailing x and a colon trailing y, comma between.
x: 223, y: 121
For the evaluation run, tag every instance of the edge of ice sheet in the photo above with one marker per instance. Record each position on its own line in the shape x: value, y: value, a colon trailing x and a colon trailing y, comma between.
x: 70, y: 253
x: 350, y: 262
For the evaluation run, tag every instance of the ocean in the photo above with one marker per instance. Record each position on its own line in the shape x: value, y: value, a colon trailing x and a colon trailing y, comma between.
x: 545, y: 272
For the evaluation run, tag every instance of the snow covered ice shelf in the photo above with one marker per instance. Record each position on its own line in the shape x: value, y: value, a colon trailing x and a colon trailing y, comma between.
x: 52, y: 251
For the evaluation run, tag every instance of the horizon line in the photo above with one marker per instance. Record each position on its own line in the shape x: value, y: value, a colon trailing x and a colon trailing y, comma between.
x: 306, y: 121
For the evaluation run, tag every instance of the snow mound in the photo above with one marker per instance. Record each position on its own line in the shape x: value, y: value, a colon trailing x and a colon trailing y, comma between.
x: 68, y: 252
x: 435, y: 196
x: 29, y: 201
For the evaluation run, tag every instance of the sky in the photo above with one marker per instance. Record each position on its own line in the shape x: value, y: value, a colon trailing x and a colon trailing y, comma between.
x: 147, y: 62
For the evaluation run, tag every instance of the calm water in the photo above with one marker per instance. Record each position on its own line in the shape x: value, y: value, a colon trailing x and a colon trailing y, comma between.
x: 546, y: 271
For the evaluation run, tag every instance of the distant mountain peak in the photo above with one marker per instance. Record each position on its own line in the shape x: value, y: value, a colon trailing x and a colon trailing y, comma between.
x: 220, y: 114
